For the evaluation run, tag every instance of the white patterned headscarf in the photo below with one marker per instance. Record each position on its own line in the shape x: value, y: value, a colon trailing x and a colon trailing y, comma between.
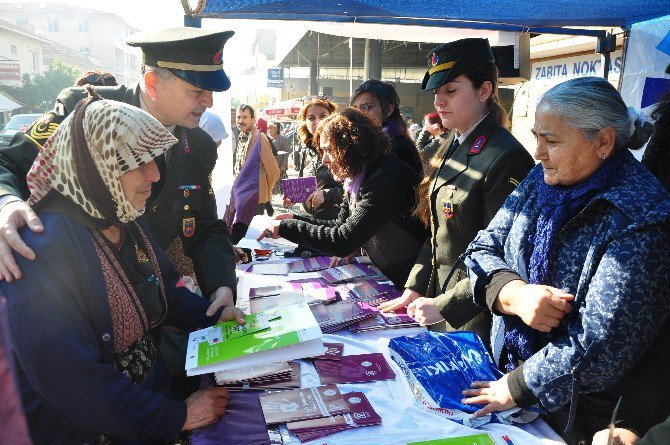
x: 87, y: 154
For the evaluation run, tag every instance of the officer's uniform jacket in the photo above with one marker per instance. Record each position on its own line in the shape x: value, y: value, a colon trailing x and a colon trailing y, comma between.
x: 466, y: 192
x: 182, y: 203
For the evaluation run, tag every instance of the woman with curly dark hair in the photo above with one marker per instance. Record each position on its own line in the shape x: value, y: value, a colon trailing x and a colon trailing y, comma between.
x: 325, y: 202
x: 379, y: 198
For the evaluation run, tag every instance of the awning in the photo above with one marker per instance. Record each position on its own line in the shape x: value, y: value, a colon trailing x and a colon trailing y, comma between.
x: 7, y: 104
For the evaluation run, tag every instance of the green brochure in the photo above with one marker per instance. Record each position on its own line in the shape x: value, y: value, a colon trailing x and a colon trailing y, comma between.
x: 477, y: 439
x: 268, y: 336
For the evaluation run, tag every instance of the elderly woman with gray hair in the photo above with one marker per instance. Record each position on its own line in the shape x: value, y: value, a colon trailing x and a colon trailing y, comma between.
x: 574, y: 268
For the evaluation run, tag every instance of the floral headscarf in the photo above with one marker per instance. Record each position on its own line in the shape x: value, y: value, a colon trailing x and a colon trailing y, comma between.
x: 87, y: 154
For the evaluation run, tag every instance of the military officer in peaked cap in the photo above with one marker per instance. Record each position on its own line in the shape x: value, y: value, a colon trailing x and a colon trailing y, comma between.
x: 181, y: 68
x: 469, y: 179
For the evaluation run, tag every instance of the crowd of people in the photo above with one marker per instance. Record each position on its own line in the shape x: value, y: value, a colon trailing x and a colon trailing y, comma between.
x: 560, y: 263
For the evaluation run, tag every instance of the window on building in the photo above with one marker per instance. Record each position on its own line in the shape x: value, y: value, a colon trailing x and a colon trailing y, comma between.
x: 53, y: 25
x: 34, y: 65
x: 84, y: 50
x: 13, y: 49
x: 83, y: 25
x: 22, y: 21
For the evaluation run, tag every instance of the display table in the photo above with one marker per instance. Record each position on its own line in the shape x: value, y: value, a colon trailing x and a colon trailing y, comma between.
x: 404, y: 420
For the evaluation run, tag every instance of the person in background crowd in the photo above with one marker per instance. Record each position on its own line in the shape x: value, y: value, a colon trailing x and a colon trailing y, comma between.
x: 256, y: 174
x: 325, y: 202
x: 213, y: 125
x: 376, y: 212
x: 282, y: 144
x: 414, y: 130
x: 85, y: 321
x: 234, y: 130
x: 96, y: 78
x: 431, y: 137
x: 581, y: 302
x: 380, y: 101
x: 470, y: 178
x: 262, y: 126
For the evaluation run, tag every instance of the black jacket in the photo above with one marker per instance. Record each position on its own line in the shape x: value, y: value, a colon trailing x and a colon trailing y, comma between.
x: 381, y: 222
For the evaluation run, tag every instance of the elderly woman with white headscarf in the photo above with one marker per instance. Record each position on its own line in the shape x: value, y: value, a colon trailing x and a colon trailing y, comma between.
x: 574, y: 267
x: 84, y: 319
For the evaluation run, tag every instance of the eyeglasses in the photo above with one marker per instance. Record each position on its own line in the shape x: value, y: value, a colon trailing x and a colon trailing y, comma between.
x: 365, y: 107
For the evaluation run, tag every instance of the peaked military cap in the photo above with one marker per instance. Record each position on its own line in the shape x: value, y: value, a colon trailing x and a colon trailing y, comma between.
x: 448, y: 61
x: 192, y: 54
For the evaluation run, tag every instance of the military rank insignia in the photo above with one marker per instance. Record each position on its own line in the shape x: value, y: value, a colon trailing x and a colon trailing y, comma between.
x: 513, y: 182
x: 188, y: 227
x: 448, y: 209
x: 478, y: 145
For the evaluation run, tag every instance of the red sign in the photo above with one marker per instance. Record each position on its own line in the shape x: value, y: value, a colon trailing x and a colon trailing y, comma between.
x: 10, y: 71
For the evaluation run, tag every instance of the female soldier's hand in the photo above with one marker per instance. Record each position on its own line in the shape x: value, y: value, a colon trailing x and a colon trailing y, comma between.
x: 272, y: 231
x: 540, y: 307
x: 423, y: 311
x: 287, y: 202
x: 620, y: 436
x: 405, y: 299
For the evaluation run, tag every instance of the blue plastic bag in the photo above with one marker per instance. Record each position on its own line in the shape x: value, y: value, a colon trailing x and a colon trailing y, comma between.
x: 440, y: 366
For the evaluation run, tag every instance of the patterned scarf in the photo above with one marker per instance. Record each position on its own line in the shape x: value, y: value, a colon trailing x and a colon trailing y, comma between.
x: 87, y: 154
x: 78, y: 173
x: 558, y: 205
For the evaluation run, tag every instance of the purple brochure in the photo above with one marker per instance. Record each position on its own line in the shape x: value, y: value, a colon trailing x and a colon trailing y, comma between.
x: 311, y: 264
x: 299, y: 189
x: 354, y: 369
x: 302, y: 404
x: 362, y: 414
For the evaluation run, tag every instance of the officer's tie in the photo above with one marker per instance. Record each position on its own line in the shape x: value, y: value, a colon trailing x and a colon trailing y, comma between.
x: 452, y: 149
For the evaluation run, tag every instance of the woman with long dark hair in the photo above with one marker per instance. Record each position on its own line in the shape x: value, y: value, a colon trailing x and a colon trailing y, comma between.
x: 469, y: 180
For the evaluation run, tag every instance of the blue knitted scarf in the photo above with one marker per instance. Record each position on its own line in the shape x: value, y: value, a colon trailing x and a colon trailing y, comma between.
x: 557, y: 205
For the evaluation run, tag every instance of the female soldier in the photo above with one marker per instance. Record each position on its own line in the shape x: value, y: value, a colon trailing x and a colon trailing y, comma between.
x: 469, y: 181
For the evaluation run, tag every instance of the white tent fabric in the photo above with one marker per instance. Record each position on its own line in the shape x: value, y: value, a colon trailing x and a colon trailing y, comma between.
x: 7, y: 104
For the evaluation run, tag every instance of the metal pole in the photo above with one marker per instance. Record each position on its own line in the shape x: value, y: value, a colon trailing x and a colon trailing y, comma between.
x: 351, y: 66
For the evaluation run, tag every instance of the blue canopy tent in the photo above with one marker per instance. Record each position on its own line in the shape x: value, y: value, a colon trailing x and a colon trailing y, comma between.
x: 545, y: 16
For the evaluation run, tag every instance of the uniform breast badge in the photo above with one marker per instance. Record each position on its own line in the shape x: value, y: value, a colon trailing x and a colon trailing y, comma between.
x: 448, y: 209
x: 188, y: 227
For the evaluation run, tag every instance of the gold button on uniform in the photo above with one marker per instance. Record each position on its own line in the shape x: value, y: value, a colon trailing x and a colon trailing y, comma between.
x: 186, y: 207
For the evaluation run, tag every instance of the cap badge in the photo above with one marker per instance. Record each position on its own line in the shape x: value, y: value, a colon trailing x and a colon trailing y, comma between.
x: 478, y: 145
x: 434, y: 59
x: 218, y: 57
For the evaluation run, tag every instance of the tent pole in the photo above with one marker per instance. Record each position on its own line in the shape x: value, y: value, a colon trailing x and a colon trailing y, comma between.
x: 351, y: 66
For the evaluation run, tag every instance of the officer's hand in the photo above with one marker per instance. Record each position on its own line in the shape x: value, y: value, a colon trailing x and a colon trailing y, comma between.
x: 272, y: 231
x: 204, y: 407
x: 232, y: 313
x: 495, y: 395
x: 316, y: 199
x: 13, y: 216
x: 222, y: 297
x: 405, y: 299
x: 540, y: 307
x: 424, y: 312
